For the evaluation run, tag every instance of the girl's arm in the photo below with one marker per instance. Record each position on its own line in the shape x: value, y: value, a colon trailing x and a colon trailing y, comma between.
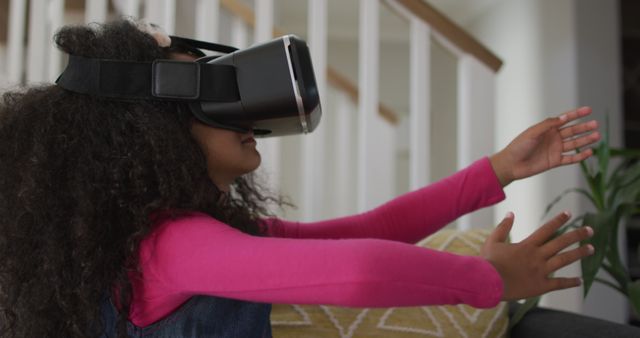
x: 544, y: 146
x: 199, y: 255
x: 410, y: 217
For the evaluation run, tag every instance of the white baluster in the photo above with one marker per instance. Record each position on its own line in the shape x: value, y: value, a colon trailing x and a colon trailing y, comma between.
x: 15, y: 38
x: 207, y: 19
x: 420, y: 106
x: 313, y: 145
x: 161, y: 13
x: 169, y: 16
x: 270, y: 147
x: 130, y: 8
x: 95, y: 11
x: 239, y: 33
x: 153, y: 12
x: 476, y: 104
x: 370, y: 177
x: 420, y: 96
x: 264, y: 20
x: 55, y: 21
x: 37, y: 45
x: 342, y: 157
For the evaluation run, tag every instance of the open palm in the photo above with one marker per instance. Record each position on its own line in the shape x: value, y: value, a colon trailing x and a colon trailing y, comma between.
x: 527, y: 267
x: 546, y: 145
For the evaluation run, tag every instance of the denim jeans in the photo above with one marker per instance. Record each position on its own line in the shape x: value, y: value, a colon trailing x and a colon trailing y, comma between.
x: 201, y: 316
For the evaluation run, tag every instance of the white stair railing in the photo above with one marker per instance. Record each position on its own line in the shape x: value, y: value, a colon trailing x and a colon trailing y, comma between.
x: 314, y: 154
x: 476, y: 106
x: 475, y: 97
x: 368, y: 138
x: 95, y: 11
x: 349, y: 162
x: 15, y: 37
x: 207, y: 15
x: 162, y: 13
x: 420, y: 104
x: 270, y: 148
x: 130, y: 8
x: 37, y: 46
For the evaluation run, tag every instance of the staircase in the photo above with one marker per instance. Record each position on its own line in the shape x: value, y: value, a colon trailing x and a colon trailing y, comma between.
x: 407, y: 95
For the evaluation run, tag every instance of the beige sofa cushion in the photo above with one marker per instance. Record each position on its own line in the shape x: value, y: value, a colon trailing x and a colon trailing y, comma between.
x: 426, y: 321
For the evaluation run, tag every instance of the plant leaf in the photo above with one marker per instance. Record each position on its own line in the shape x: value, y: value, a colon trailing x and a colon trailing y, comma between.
x: 631, y: 185
x: 528, y: 304
x: 624, y: 186
x: 615, y: 174
x: 563, y: 194
x: 633, y: 292
x: 603, y: 155
x: 617, y: 268
x: 626, y: 153
x: 598, y: 188
x: 600, y: 239
x: 585, y: 168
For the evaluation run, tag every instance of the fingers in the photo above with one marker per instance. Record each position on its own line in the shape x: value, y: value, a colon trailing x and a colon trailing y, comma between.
x: 574, y: 158
x: 580, y: 142
x: 578, y: 135
x: 566, y: 258
x: 574, y: 114
x: 554, y: 122
x: 501, y: 232
x: 542, y: 235
x: 577, y: 129
x: 556, y: 245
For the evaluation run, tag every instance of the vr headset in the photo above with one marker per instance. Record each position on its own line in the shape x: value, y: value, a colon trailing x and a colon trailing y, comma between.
x: 269, y: 88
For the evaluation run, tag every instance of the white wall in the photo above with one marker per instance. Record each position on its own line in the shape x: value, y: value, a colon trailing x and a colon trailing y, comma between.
x: 512, y: 30
x: 444, y: 118
x: 599, y: 86
x: 558, y: 55
x: 475, y: 125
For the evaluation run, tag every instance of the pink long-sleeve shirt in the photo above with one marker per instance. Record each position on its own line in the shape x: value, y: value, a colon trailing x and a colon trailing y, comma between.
x: 365, y: 260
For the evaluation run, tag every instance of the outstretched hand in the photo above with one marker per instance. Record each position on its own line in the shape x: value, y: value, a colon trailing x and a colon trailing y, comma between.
x: 525, y: 267
x: 546, y: 145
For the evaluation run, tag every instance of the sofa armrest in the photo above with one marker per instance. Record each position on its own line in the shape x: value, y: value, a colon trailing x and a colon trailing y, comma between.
x: 541, y: 322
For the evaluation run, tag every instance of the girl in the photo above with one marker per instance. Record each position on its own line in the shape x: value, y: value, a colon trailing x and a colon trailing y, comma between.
x: 133, y: 218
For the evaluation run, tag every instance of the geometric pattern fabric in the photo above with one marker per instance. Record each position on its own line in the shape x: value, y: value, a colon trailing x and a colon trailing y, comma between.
x: 448, y: 321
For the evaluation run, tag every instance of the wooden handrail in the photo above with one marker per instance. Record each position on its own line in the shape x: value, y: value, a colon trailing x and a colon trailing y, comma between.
x: 454, y: 33
x: 334, y: 77
x: 340, y: 81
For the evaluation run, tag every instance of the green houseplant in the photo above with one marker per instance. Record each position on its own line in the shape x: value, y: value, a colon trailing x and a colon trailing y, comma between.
x: 614, y: 193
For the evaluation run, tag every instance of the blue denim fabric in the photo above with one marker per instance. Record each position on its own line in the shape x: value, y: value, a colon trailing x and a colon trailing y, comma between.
x: 201, y: 316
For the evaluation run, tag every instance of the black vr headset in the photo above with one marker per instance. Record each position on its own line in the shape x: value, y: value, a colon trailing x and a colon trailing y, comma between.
x: 269, y: 88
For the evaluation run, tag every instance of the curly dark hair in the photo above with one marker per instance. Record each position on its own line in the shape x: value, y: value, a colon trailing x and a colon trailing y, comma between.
x: 81, y: 179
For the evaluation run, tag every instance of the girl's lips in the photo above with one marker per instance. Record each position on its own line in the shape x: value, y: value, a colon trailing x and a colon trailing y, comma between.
x: 249, y: 140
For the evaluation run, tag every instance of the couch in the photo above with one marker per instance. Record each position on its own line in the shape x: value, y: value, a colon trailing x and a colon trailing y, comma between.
x: 540, y: 322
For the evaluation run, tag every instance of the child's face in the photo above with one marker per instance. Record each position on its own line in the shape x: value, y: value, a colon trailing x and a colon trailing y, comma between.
x: 229, y: 154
